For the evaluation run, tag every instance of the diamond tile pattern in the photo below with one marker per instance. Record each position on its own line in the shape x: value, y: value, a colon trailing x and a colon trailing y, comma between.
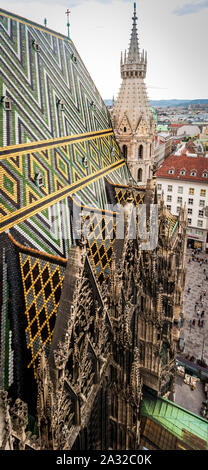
x: 100, y: 243
x: 42, y: 284
x: 122, y: 194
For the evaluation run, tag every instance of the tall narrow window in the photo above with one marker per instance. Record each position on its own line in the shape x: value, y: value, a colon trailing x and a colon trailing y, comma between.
x: 125, y: 151
x: 140, y: 151
x: 139, y: 175
x: 124, y: 129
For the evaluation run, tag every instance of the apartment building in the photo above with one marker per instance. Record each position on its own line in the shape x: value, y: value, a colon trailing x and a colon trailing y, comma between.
x: 182, y: 179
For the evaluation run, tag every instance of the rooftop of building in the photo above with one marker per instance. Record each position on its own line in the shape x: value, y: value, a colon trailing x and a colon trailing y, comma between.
x: 189, y: 129
x: 162, y: 128
x: 35, y: 25
x: 176, y: 124
x: 162, y: 137
x: 180, y: 422
x: 187, y: 165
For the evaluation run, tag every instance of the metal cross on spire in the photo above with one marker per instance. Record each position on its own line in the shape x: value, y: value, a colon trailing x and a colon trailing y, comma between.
x: 135, y: 17
x: 134, y: 54
x: 68, y: 24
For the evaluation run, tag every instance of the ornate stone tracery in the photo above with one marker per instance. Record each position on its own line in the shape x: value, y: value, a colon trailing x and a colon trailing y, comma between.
x: 110, y: 340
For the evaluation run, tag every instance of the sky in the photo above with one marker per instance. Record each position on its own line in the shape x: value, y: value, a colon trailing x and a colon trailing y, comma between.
x: 173, y: 32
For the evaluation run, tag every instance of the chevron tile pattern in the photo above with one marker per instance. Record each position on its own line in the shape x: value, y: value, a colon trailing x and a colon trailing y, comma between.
x: 38, y: 136
x: 56, y: 139
x: 37, y: 81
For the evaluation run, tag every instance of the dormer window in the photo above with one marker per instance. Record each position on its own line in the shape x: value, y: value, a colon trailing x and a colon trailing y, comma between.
x: 92, y: 105
x: 171, y: 171
x: 6, y: 103
x: 193, y: 173
x: 204, y: 174
x: 60, y: 104
x: 85, y: 162
x: 38, y: 179
x: 73, y: 57
x: 35, y: 46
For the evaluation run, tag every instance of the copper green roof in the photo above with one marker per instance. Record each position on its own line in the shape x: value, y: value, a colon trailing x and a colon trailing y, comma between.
x: 174, y: 418
x: 162, y: 128
x: 154, y: 114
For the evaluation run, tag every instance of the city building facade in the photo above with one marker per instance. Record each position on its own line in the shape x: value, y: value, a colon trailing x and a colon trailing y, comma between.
x: 163, y: 147
x: 182, y: 179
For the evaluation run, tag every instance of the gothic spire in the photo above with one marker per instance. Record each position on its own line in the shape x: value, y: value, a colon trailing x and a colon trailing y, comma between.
x: 133, y: 54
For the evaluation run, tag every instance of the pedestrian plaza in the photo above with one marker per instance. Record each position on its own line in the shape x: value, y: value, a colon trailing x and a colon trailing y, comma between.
x: 195, y: 307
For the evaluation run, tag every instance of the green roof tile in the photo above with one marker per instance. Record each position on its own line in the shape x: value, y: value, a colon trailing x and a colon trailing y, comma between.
x: 174, y: 418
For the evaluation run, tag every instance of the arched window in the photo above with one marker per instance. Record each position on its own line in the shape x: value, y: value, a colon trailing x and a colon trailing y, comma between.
x: 139, y: 175
x: 140, y: 151
x: 124, y: 129
x: 125, y: 151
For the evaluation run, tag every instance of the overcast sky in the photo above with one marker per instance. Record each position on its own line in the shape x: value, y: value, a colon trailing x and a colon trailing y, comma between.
x: 174, y: 33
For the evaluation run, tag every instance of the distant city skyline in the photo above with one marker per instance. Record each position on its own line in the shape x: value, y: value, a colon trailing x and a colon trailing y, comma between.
x: 173, y: 33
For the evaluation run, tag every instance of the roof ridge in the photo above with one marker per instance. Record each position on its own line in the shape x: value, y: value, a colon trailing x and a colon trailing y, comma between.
x: 32, y: 23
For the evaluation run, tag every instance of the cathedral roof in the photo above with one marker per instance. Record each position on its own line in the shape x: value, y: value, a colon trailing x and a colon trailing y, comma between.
x: 184, y: 168
x: 74, y: 148
x: 180, y: 422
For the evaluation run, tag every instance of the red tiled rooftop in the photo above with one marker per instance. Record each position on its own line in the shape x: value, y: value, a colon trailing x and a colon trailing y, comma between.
x: 189, y: 164
x: 176, y: 125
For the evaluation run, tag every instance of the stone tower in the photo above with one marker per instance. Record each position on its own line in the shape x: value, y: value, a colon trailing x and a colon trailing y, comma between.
x: 131, y: 116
